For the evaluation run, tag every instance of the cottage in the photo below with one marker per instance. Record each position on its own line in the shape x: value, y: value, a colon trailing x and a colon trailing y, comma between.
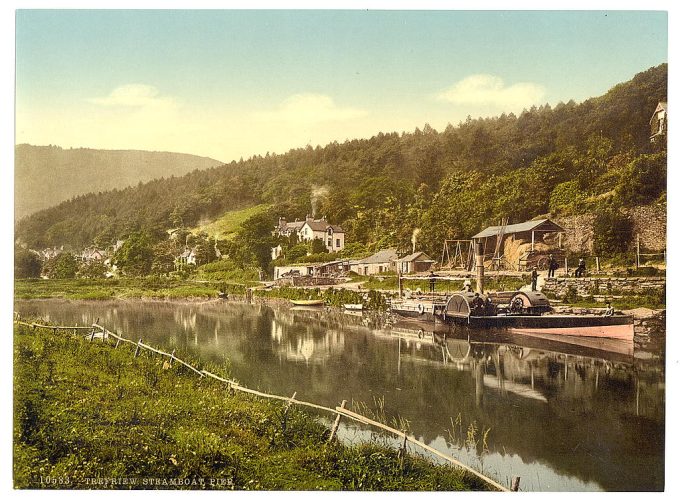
x: 417, y: 262
x: 659, y: 122
x: 285, y: 228
x: 332, y: 236
x: 186, y: 257
x: 310, y: 229
x: 92, y: 254
x: 380, y: 262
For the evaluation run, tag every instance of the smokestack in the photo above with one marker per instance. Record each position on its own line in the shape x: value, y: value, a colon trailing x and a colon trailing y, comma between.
x: 480, y: 266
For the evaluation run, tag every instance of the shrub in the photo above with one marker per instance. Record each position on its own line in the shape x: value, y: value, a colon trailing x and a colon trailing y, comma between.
x: 613, y: 233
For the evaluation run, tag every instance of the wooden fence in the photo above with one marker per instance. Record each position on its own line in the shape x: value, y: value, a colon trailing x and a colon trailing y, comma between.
x: 339, y: 411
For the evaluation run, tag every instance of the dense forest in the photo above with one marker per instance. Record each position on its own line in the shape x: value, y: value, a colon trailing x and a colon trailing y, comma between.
x: 48, y: 175
x: 565, y: 159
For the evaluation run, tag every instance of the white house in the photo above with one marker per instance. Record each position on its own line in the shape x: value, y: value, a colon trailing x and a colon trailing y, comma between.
x: 380, y: 262
x: 310, y: 229
x: 186, y: 257
x: 659, y: 121
x: 333, y: 236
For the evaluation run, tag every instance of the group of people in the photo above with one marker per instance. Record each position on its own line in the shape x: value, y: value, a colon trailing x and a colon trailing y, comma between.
x: 552, y: 267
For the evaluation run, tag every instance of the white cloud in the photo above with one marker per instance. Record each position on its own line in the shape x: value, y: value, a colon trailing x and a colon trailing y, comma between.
x: 490, y: 90
x: 310, y: 108
x: 134, y: 95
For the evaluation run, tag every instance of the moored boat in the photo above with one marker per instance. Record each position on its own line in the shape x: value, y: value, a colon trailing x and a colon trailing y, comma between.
x: 307, y: 302
x: 528, y: 312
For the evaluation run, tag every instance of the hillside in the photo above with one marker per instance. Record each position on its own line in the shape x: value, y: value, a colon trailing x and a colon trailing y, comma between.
x: 228, y: 224
x: 46, y: 176
x: 570, y: 158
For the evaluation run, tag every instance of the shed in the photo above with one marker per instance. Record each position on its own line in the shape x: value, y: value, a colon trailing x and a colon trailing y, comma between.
x: 530, y: 230
x: 380, y: 262
x: 415, y: 263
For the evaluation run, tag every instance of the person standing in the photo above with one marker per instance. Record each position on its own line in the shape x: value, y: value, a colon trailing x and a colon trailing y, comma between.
x: 433, y: 281
x: 534, y: 278
x: 552, y: 266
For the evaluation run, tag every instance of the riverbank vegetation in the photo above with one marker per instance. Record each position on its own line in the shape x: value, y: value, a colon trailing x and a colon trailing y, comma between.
x: 122, y: 288
x: 87, y: 415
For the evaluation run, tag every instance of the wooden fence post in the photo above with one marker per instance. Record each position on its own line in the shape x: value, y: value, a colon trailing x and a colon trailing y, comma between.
x: 92, y: 333
x: 597, y: 263
x: 172, y: 358
x: 402, y: 450
x: 285, y: 413
x: 566, y: 266
x: 515, y: 484
x: 336, y: 424
x: 117, y: 343
x: 138, y: 347
x: 637, y: 250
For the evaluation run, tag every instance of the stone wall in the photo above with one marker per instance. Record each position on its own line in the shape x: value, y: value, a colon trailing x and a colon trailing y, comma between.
x: 648, y: 221
x: 587, y: 286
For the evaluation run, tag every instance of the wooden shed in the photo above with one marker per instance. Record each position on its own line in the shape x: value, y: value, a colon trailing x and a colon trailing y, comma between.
x: 493, y: 236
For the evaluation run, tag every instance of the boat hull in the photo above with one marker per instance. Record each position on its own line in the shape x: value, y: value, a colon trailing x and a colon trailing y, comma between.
x: 591, y: 326
x: 307, y: 302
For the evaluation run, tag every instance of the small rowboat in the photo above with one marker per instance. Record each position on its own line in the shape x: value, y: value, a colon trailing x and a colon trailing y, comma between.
x: 307, y: 302
x: 354, y: 307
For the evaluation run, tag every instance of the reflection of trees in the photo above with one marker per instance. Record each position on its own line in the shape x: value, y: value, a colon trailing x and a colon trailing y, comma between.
x: 601, y: 420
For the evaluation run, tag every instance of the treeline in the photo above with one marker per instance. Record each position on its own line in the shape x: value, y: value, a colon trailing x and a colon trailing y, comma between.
x: 564, y: 159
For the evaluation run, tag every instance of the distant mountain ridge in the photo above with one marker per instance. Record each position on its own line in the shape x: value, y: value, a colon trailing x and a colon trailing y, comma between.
x: 47, y: 175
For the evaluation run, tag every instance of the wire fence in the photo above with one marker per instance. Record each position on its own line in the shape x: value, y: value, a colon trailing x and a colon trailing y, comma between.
x: 97, y: 331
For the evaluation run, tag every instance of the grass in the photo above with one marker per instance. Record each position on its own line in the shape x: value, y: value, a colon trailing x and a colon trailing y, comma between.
x: 229, y: 223
x: 123, y: 288
x: 87, y: 415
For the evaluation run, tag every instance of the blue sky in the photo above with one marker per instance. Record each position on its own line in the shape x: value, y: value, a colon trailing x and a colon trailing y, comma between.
x: 228, y: 84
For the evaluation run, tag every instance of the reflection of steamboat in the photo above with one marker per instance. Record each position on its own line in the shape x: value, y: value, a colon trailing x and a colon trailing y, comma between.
x: 525, y: 312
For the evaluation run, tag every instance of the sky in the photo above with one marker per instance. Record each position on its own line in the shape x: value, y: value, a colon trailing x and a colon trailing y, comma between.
x: 231, y: 84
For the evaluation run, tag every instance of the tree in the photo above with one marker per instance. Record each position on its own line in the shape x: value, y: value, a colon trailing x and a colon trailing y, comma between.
x: 612, y: 231
x: 92, y: 269
x: 26, y: 264
x: 643, y: 180
x: 135, y: 256
x: 317, y: 246
x: 65, y: 266
x: 256, y: 240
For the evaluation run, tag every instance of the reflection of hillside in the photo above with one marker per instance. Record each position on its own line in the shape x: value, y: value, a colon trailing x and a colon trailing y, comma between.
x: 304, y: 346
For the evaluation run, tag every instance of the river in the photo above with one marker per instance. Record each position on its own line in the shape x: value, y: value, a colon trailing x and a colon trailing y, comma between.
x: 562, y: 417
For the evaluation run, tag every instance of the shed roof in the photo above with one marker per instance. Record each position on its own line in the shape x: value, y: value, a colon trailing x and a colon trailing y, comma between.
x: 417, y: 255
x: 382, y: 256
x: 535, y: 225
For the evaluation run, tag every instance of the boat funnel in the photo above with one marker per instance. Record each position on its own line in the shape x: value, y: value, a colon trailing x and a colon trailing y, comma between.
x: 479, y: 256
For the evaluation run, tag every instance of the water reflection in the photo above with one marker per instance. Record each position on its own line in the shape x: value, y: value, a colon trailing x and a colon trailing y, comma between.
x: 561, y: 416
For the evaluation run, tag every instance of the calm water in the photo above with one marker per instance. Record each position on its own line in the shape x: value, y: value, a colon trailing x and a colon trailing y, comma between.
x: 561, y: 417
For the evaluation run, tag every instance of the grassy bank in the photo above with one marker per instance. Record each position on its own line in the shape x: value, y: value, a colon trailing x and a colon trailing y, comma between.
x: 122, y: 288
x: 87, y: 415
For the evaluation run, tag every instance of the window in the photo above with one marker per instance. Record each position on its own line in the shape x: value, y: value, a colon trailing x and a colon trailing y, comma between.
x: 329, y: 242
x: 337, y: 243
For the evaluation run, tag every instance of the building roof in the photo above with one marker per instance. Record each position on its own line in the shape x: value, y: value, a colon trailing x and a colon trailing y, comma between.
x: 382, y: 256
x: 535, y: 225
x: 415, y: 256
x: 295, y: 225
x: 322, y: 225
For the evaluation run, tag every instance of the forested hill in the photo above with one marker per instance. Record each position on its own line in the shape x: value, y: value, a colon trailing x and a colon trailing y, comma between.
x: 562, y: 159
x: 48, y: 175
